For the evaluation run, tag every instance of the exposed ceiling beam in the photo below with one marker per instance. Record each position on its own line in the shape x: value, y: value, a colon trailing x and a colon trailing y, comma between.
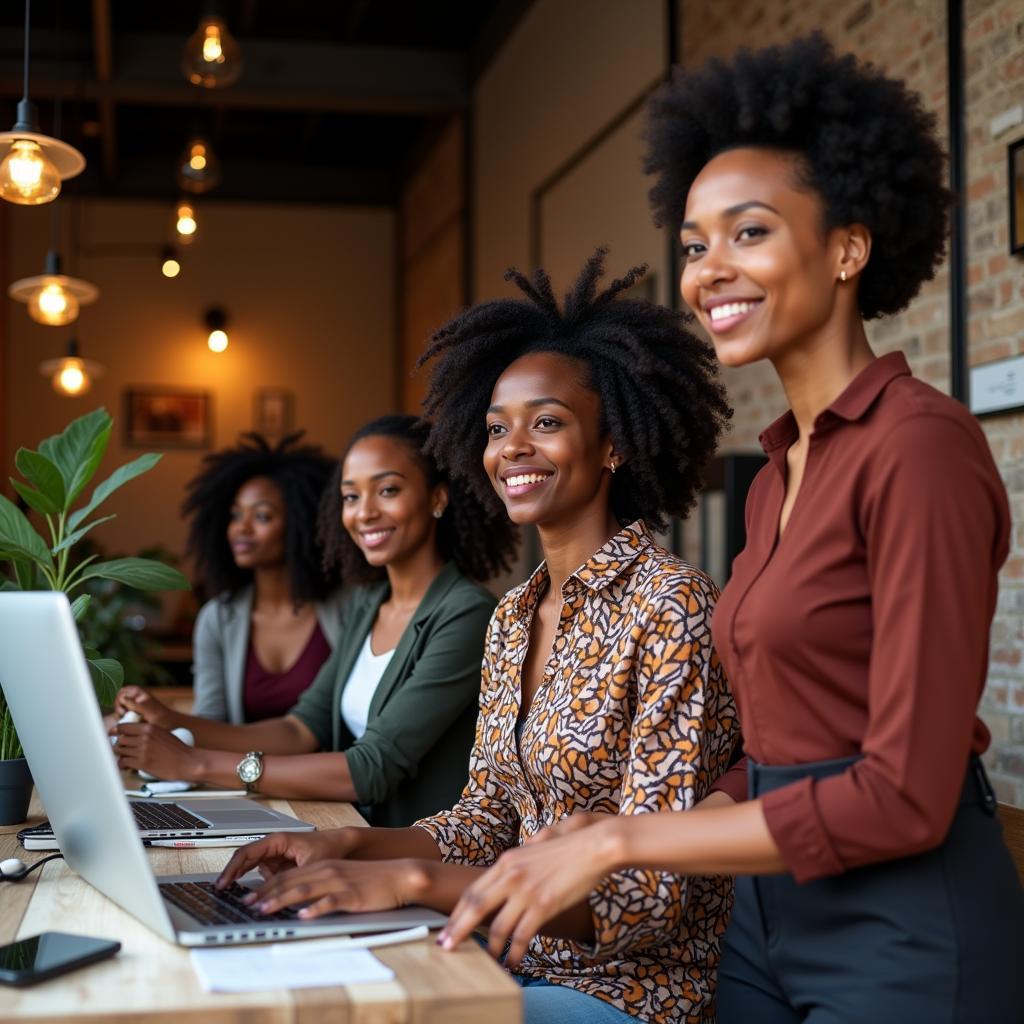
x: 103, y: 52
x: 492, y: 35
x: 278, y: 76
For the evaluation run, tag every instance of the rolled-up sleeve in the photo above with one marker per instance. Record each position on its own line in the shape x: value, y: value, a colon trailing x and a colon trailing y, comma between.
x: 484, y: 822
x: 681, y: 740
x: 935, y: 521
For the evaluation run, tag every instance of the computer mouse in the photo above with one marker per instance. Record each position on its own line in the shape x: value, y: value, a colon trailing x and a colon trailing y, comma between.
x: 129, y: 717
x: 186, y: 737
x: 12, y: 869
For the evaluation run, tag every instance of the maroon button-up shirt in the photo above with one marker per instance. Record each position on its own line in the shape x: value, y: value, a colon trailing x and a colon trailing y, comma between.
x: 865, y: 627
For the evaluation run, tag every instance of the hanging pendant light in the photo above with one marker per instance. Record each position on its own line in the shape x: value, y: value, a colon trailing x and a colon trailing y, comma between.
x: 53, y: 298
x: 71, y: 375
x: 212, y: 57
x: 185, y: 223
x: 170, y: 265
x: 33, y: 165
x: 216, y: 321
x: 198, y: 166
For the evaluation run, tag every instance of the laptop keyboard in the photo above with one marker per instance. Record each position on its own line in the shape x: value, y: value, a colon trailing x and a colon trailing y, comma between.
x: 157, y: 816
x: 210, y: 905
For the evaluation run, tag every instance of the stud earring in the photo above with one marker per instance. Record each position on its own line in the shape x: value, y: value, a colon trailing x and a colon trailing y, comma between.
x: 438, y: 512
x: 842, y: 275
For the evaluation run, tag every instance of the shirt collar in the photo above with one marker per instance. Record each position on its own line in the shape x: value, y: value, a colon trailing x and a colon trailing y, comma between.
x: 599, y: 571
x: 851, y: 405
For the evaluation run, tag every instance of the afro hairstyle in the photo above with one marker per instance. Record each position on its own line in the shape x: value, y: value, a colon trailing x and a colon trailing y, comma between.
x: 300, y: 472
x: 864, y: 143
x: 480, y: 542
x: 661, y: 402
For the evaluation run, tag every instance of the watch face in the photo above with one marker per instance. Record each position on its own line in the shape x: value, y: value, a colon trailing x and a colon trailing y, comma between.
x: 249, y: 769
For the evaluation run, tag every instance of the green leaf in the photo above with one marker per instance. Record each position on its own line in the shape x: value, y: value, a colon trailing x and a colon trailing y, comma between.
x: 8, y: 585
x: 77, y: 451
x: 25, y: 573
x: 73, y: 538
x: 35, y: 499
x: 80, y: 605
x: 18, y: 539
x: 107, y: 678
x: 117, y: 479
x: 143, y: 573
x: 41, y: 472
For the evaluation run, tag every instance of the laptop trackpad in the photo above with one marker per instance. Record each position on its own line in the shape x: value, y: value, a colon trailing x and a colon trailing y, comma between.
x: 253, y: 816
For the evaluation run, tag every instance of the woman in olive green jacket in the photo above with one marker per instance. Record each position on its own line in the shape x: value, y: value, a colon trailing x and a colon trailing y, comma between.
x: 388, y: 722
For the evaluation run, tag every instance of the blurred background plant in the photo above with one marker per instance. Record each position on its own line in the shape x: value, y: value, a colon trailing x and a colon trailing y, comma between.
x: 54, y: 477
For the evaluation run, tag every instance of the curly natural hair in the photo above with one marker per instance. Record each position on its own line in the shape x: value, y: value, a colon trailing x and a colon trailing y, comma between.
x: 480, y: 542
x: 300, y: 472
x: 864, y: 143
x: 660, y: 399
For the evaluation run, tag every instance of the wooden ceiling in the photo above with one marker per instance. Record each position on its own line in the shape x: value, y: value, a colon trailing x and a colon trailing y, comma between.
x: 337, y: 101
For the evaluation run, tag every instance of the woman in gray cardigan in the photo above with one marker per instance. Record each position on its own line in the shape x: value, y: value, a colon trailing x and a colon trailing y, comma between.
x: 274, y: 617
x: 389, y: 721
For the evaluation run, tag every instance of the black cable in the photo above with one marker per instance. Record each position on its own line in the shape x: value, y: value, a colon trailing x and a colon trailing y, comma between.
x: 28, y: 10
x: 32, y: 867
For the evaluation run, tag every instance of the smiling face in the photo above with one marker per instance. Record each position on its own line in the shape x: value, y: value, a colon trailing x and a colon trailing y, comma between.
x: 546, y: 454
x: 387, y: 506
x: 256, y: 525
x: 761, y: 272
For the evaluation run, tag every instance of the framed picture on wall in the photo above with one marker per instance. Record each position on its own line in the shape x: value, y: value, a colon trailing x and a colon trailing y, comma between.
x: 167, y: 418
x: 1016, y: 194
x: 274, y: 413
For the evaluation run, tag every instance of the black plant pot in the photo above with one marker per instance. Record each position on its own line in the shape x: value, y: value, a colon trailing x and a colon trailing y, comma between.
x: 15, y: 791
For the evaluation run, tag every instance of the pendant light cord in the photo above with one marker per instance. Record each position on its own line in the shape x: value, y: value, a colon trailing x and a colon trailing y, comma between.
x: 28, y: 12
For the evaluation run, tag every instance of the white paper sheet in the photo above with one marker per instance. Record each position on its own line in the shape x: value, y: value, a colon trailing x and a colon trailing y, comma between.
x: 253, y: 968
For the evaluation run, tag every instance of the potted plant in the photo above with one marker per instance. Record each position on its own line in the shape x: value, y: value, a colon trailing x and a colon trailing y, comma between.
x: 55, y: 477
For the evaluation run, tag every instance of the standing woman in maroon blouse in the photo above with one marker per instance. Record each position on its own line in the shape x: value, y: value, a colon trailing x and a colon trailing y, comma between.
x: 809, y: 193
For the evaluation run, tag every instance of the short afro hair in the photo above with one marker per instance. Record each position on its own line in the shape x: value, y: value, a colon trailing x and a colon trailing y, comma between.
x: 865, y: 142
x: 300, y: 472
x: 660, y: 399
x: 480, y: 543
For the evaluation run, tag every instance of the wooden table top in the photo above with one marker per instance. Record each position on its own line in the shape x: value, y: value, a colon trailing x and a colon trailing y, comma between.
x: 152, y: 980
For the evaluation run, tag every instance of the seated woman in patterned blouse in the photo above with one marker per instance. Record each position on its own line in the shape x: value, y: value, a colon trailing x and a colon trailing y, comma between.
x: 601, y: 690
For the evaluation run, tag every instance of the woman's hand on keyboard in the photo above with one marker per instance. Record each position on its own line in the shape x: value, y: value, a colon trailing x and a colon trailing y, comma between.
x: 328, y: 886
x: 282, y: 851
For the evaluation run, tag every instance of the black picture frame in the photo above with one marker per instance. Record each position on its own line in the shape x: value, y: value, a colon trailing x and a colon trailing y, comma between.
x: 167, y: 417
x: 1015, y: 195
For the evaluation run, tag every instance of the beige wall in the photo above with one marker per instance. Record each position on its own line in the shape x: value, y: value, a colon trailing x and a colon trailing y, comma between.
x: 569, y: 68
x: 310, y: 294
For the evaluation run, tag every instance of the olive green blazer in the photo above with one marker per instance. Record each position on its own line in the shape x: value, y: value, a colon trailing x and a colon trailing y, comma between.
x: 413, y: 759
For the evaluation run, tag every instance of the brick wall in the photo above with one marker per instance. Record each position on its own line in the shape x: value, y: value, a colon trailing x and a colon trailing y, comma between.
x: 994, y: 58
x: 908, y: 39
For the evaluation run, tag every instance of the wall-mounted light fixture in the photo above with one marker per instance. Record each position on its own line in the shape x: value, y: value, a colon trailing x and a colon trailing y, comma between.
x: 216, y: 321
x: 71, y: 375
x: 212, y: 57
x: 33, y: 165
x: 53, y: 298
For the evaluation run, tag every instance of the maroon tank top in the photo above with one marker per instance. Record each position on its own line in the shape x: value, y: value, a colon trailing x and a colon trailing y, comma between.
x: 272, y: 694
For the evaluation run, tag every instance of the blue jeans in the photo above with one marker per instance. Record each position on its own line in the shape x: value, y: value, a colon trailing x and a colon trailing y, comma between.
x: 545, y: 1003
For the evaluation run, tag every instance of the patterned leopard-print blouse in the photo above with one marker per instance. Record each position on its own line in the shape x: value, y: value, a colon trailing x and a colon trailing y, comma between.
x: 632, y: 715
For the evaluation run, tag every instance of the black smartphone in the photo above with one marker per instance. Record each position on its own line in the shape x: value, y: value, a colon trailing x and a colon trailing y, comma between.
x: 45, y: 956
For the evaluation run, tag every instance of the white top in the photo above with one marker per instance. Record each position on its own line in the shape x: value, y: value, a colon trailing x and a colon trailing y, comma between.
x: 362, y: 684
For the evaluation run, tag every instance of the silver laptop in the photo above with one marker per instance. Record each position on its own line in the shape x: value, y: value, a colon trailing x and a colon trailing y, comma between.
x: 47, y: 685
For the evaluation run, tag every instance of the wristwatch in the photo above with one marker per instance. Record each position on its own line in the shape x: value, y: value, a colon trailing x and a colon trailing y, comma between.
x: 250, y: 768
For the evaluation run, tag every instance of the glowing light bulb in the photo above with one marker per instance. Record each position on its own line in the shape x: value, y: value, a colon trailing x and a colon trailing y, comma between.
x: 197, y: 156
x: 212, y: 56
x: 217, y: 341
x: 185, y: 223
x: 198, y: 166
x: 170, y: 267
x: 213, y: 52
x: 53, y: 305
x: 71, y: 378
x: 27, y: 177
